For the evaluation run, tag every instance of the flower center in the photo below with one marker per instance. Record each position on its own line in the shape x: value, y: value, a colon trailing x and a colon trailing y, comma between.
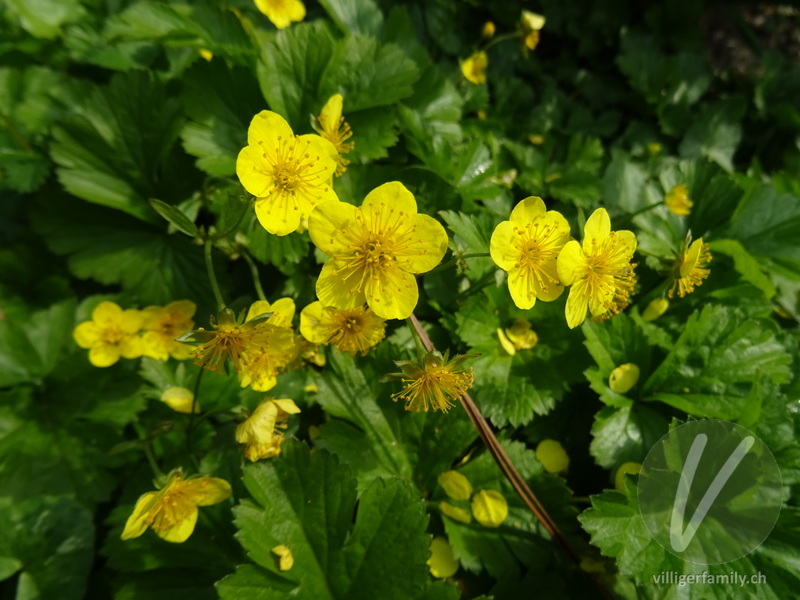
x: 171, y: 509
x: 293, y: 167
x: 537, y: 246
x: 112, y: 335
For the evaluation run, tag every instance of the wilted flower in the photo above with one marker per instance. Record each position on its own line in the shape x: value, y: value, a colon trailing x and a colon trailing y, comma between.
x: 171, y: 512
x: 435, y: 382
x: 690, y: 269
x: 354, y: 330
x: 262, y: 432
x: 331, y: 125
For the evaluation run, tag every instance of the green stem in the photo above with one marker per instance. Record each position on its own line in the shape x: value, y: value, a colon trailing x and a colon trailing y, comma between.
x: 254, y: 273
x: 193, y: 421
x: 457, y: 259
x: 151, y: 459
x: 212, y: 277
x: 631, y: 216
x: 501, y: 38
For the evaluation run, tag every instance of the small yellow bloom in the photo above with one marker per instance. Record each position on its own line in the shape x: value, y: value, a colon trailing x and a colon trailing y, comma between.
x: 599, y: 270
x: 289, y: 175
x: 454, y: 512
x: 442, y: 561
x: 474, y: 67
x: 489, y: 508
x: 536, y: 139
x: 552, y: 455
x: 285, y: 557
x: 282, y: 13
x: 111, y: 333
x: 488, y: 29
x: 623, y: 378
x: 655, y: 309
x: 653, y: 149
x: 527, y: 247
x: 455, y: 485
x: 354, y: 330
x: 435, y: 383
x: 162, y: 325
x: 628, y: 468
x: 206, y: 54
x: 521, y: 336
x: 376, y: 249
x: 180, y: 399
x: 531, y: 24
x: 262, y: 432
x: 677, y: 200
x: 261, y: 364
x: 691, y: 269
x: 331, y: 125
x: 172, y: 511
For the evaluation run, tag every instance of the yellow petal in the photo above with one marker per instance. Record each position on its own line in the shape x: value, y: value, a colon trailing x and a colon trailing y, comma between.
x: 521, y: 288
x: 393, y: 294
x: 691, y: 257
x: 182, y: 308
x: 442, y: 562
x: 392, y: 196
x: 103, y: 355
x: 280, y: 214
x: 454, y: 512
x: 288, y: 406
x: 333, y: 227
x: 596, y: 230
x: 532, y: 20
x: 254, y: 170
x: 489, y: 508
x: 455, y: 485
x: 131, y: 346
x: 312, y: 326
x: 331, y: 113
x: 628, y: 468
x: 629, y: 239
x: 571, y: 262
x: 153, y: 346
x: 131, y: 321
x: 286, y: 559
x: 266, y: 129
x: 205, y: 491
x: 501, y: 247
x: 136, y: 524
x: 426, y: 247
x: 527, y: 210
x: 332, y: 290
x: 506, y: 343
x: 283, y: 310
x: 86, y: 334
x: 577, y: 305
x: 182, y: 530
x: 180, y: 399
x: 282, y: 13
x: 257, y: 308
x: 106, y: 312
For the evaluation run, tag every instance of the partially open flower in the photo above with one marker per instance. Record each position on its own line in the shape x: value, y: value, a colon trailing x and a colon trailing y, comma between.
x: 690, y: 268
x: 677, y: 200
x: 531, y: 24
x: 331, y: 125
x: 262, y: 432
x: 474, y: 67
x: 354, y: 330
x: 435, y: 382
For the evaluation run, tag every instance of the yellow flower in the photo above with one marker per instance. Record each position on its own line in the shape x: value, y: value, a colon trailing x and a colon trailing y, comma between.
x: 623, y: 378
x: 376, y: 249
x: 455, y: 485
x: 552, y: 455
x: 653, y: 149
x: 488, y: 29
x: 527, y: 247
x: 163, y: 324
x: 282, y: 13
x: 180, y: 399
x: 442, y: 561
x: 677, y: 200
x: 289, y: 175
x: 519, y: 336
x: 262, y: 432
x: 489, y: 508
x: 531, y: 24
x: 655, y: 309
x: 474, y: 67
x: 208, y: 55
x: 454, y: 512
x: 435, y: 383
x: 285, y: 557
x: 691, y: 268
x: 111, y: 333
x: 331, y: 125
x: 599, y: 271
x: 354, y: 330
x: 628, y: 468
x: 536, y: 139
x: 260, y: 364
x: 172, y: 511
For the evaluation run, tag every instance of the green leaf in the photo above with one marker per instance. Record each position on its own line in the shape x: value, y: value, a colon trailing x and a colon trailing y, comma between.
x: 175, y: 216
x: 114, y: 151
x: 355, y: 16
x: 473, y: 233
x: 625, y: 434
x: 306, y: 501
x: 158, y: 268
x: 716, y: 133
x: 45, y: 18
x: 745, y: 264
x: 712, y: 369
x: 51, y: 540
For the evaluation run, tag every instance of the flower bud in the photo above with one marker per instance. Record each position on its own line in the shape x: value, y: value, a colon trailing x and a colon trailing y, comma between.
x: 623, y: 378
x: 631, y: 468
x: 488, y: 29
x: 552, y: 455
x: 655, y: 309
x: 179, y: 399
x: 489, y: 508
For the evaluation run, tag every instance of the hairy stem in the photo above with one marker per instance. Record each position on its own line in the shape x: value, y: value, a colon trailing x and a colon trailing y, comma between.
x: 212, y: 277
x: 254, y: 272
